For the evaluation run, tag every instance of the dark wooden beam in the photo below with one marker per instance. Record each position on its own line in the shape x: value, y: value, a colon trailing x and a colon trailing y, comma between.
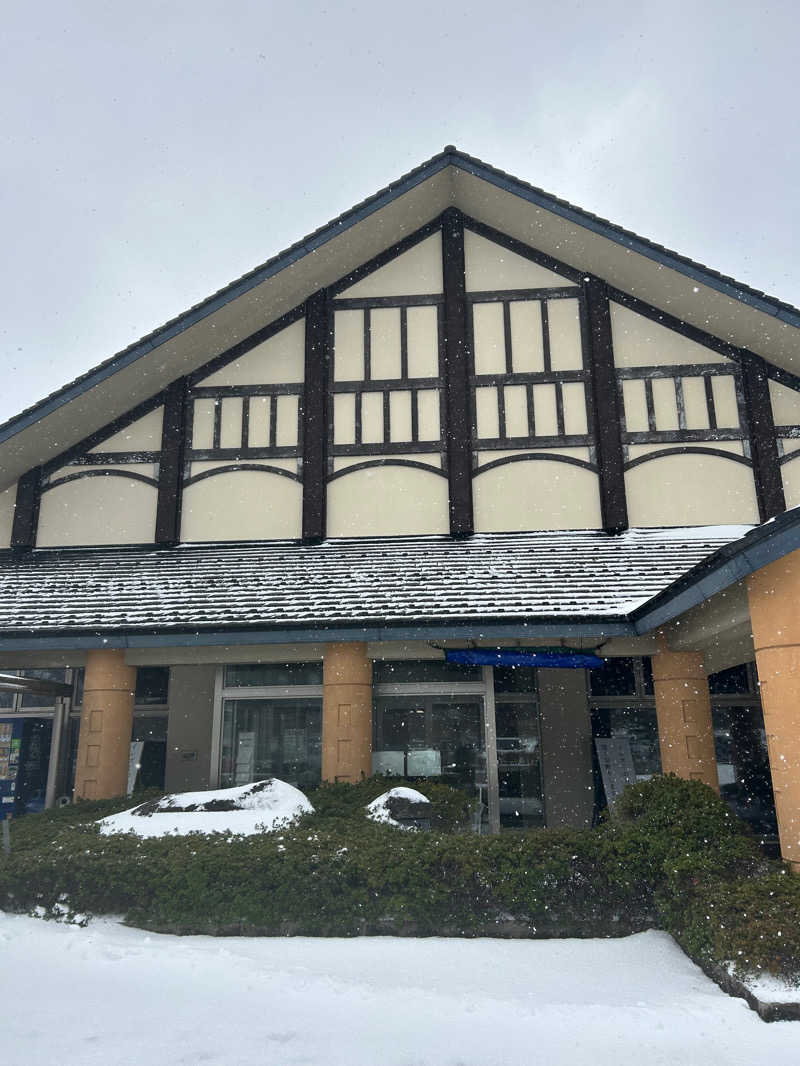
x: 455, y: 371
x: 315, y: 414
x: 610, y: 458
x: 170, y: 467
x: 763, y: 439
x: 26, y: 510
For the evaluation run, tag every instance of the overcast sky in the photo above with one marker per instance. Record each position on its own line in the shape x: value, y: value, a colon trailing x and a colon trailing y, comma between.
x: 153, y: 152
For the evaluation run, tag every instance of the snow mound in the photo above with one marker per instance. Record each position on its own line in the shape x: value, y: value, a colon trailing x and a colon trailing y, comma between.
x: 243, y: 810
x: 379, y: 809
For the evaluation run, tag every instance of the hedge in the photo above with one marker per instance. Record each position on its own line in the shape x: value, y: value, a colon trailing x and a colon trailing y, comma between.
x: 673, y: 857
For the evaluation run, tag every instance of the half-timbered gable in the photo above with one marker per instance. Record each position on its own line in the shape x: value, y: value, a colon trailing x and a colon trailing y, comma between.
x: 535, y: 470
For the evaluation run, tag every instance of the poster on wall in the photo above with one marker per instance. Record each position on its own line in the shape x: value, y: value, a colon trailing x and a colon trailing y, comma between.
x: 10, y: 751
x: 616, y: 766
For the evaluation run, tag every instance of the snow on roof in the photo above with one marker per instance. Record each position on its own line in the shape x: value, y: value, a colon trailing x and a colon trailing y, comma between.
x: 366, y: 581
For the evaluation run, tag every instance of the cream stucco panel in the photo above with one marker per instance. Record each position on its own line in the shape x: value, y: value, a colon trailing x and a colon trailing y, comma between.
x: 384, y: 343
x: 279, y: 360
x: 231, y: 422
x: 422, y: 331
x: 640, y: 342
x: 665, y: 404
x: 516, y: 406
x: 258, y: 422
x: 348, y: 346
x: 97, y: 510
x: 242, y: 505
x: 527, y: 343
x: 492, y: 268
x: 574, y: 399
x: 387, y: 501
x: 417, y: 272
x: 344, y: 418
x: 536, y: 494
x: 484, y: 458
x: 203, y: 423
x: 564, y: 325
x: 735, y: 447
x: 487, y: 413
x: 694, y: 403
x: 690, y: 490
x: 371, y: 418
x: 287, y: 421
x: 400, y: 416
x: 785, y: 404
x: 635, y: 406
x: 488, y: 338
x: 428, y: 415
x: 200, y: 467
x: 143, y: 435
x: 791, y: 482
x: 545, y: 412
x: 726, y: 408
x: 8, y: 501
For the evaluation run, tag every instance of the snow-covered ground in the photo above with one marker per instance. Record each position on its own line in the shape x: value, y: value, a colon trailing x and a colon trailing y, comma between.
x: 111, y: 995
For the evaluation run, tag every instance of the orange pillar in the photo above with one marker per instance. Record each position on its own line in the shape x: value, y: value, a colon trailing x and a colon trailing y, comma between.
x: 346, y: 713
x: 774, y: 595
x: 104, y: 742
x: 683, y: 709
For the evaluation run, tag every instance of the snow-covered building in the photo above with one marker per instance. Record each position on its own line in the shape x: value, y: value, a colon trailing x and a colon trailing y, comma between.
x: 463, y: 484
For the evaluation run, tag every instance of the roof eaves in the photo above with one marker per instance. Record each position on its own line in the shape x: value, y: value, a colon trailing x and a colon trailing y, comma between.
x: 723, y: 283
x: 719, y: 571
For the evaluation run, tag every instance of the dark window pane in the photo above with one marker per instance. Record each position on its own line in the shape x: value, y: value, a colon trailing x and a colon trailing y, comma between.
x: 745, y: 781
x: 421, y: 671
x: 734, y: 680
x: 515, y: 679
x: 149, y: 728
x: 77, y: 695
x: 639, y: 725
x: 152, y: 684
x: 647, y: 675
x: 32, y: 699
x: 616, y: 678
x: 272, y: 738
x: 273, y: 674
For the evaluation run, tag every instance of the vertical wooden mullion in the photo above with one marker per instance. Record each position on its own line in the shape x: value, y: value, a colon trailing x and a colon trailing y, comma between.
x: 245, y: 422
x: 531, y: 411
x: 273, y: 420
x: 651, y: 407
x: 367, y: 344
x: 358, y: 414
x: 387, y: 427
x: 712, y: 412
x: 415, y: 415
x: 404, y: 343
x: 680, y: 403
x: 610, y: 458
x: 763, y: 439
x: 455, y: 363
x: 501, y: 412
x: 315, y: 415
x: 546, y: 338
x: 170, y: 467
x: 215, y: 444
x: 559, y: 409
x: 26, y: 510
x: 507, y: 336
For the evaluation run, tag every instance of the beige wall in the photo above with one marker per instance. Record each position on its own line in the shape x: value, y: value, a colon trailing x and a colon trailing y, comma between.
x: 785, y: 404
x: 190, y: 727
x: 8, y: 501
x: 536, y: 494
x: 142, y: 435
x: 791, y: 482
x: 242, y: 505
x: 279, y: 360
x: 640, y: 342
x: 98, y: 510
x: 490, y: 267
x: 416, y: 272
x: 387, y: 500
x: 690, y: 490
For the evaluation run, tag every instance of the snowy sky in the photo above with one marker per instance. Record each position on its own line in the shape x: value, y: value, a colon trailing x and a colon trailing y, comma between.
x: 152, y: 152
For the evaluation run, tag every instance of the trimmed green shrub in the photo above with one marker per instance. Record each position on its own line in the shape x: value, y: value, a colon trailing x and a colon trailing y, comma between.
x: 672, y: 857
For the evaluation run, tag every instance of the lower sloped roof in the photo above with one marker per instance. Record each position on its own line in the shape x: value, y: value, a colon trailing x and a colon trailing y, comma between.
x: 400, y: 583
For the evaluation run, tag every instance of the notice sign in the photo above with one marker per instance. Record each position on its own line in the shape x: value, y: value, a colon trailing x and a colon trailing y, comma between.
x: 616, y: 765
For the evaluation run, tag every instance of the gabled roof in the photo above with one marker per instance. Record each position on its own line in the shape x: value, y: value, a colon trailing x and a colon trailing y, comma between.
x: 492, y: 585
x: 732, y: 311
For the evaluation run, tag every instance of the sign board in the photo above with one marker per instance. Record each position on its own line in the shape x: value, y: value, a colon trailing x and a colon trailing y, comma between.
x: 616, y: 765
x: 245, y: 758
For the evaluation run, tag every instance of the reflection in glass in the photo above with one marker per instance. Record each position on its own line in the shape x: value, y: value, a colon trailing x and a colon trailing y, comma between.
x: 272, y: 738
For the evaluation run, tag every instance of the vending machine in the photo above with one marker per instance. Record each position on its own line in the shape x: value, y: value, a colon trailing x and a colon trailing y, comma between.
x: 10, y: 756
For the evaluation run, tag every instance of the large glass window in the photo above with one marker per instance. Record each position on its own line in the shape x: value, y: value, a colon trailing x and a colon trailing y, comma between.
x: 429, y: 736
x: 249, y: 675
x: 271, y: 738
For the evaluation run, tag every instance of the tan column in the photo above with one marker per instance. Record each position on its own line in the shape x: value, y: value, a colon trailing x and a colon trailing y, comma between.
x: 104, y: 742
x: 774, y: 595
x: 683, y: 709
x: 346, y: 713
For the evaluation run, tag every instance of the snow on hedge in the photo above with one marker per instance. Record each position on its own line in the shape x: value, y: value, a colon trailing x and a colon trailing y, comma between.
x: 243, y: 810
x: 378, y: 810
